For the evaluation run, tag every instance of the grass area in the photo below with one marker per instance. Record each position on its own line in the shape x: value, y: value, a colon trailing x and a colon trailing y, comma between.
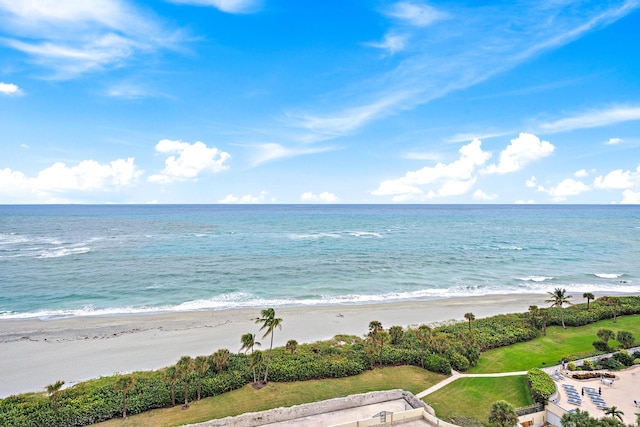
x: 549, y: 350
x: 277, y: 395
x: 469, y: 399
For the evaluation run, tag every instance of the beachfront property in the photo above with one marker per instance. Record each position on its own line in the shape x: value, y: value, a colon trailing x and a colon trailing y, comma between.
x: 398, y: 407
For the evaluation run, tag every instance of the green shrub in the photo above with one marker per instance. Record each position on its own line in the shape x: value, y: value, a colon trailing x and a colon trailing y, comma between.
x: 611, y: 363
x: 437, y: 363
x: 458, y: 361
x: 571, y: 366
x: 601, y: 346
x: 624, y: 357
x: 541, y: 385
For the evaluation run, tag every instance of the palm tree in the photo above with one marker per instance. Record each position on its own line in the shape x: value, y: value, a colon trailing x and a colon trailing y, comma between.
x: 502, y: 414
x: 292, y: 346
x: 201, y: 366
x: 614, y: 412
x: 248, y: 341
x: 613, y: 303
x: 605, y: 335
x: 257, y: 359
x: 470, y: 317
x: 171, y: 376
x: 533, y: 315
x: 269, y: 322
x: 221, y: 359
x: 558, y: 298
x: 378, y: 336
x: 55, y: 392
x: 589, y: 297
x: 184, y: 367
x: 125, y: 383
x: 577, y: 419
x: 396, y: 333
x: 544, y: 317
x: 423, y: 333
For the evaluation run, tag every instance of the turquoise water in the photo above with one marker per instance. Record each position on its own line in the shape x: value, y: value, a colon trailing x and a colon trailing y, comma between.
x: 84, y: 260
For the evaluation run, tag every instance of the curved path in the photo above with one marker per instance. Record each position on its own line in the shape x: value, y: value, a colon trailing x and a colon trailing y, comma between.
x: 455, y: 375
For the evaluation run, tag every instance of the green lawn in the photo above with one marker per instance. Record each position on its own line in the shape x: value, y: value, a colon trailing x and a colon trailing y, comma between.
x: 549, y: 350
x: 469, y: 399
x: 284, y: 394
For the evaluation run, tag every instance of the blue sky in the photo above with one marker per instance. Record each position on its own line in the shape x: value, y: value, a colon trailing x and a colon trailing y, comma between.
x: 359, y: 101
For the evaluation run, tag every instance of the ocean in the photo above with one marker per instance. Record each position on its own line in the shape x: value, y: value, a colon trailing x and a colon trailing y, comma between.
x: 79, y: 260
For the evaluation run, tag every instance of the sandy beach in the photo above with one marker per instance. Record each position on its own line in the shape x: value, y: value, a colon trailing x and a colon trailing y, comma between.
x: 39, y: 352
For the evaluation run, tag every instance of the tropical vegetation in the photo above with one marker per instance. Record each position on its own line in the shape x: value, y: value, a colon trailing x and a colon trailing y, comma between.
x: 437, y: 349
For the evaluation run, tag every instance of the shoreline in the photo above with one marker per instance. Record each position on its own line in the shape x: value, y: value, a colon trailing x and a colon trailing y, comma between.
x: 40, y: 352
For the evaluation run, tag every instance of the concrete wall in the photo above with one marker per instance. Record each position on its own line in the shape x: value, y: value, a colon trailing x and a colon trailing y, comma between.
x: 554, y: 414
x: 400, y: 417
x: 396, y: 417
x: 537, y: 418
x: 253, y: 419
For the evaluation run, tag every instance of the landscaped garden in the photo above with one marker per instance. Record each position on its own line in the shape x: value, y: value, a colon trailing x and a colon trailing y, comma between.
x: 304, y: 373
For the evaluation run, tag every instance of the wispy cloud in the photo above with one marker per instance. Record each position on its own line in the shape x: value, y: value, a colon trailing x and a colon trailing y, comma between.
x: 72, y: 37
x: 415, y: 13
x: 228, y: 6
x: 592, y: 119
x: 392, y: 43
x: 267, y: 152
x: 472, y: 46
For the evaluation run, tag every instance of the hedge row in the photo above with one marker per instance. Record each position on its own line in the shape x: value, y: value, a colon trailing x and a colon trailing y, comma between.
x: 541, y: 385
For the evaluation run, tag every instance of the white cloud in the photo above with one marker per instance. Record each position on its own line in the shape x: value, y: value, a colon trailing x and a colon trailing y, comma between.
x: 614, y: 180
x: 566, y: 188
x: 455, y: 178
x: 86, y: 176
x: 229, y: 6
x: 531, y: 183
x: 525, y: 202
x: 72, y: 37
x: 581, y: 173
x: 191, y: 161
x: 416, y: 14
x: 482, y: 196
x: 613, y: 141
x: 9, y: 89
x: 246, y: 199
x: 324, y: 197
x: 630, y: 197
x: 594, y: 119
x: 392, y: 43
x: 524, y: 149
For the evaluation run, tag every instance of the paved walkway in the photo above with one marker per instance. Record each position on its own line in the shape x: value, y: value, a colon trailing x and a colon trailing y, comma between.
x: 455, y: 375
